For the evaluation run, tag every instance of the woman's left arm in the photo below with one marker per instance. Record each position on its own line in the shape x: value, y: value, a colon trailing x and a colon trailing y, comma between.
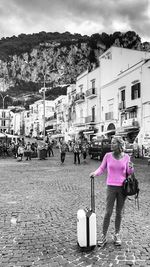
x: 130, y: 167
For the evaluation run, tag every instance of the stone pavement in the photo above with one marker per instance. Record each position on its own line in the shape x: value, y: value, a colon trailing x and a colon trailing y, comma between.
x: 39, y: 200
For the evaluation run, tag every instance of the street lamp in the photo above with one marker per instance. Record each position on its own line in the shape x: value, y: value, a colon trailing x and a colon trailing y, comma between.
x: 43, y: 90
x: 3, y: 98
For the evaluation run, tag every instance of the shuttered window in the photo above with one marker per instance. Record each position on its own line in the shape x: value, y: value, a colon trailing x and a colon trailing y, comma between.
x: 136, y: 91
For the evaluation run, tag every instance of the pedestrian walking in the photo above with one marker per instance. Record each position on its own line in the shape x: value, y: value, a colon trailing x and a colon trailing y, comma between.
x: 62, y: 148
x: 76, y: 151
x: 16, y: 149
x: 84, y: 149
x: 20, y: 152
x: 42, y: 150
x: 148, y: 154
x: 28, y: 151
x: 118, y: 166
x: 50, y: 149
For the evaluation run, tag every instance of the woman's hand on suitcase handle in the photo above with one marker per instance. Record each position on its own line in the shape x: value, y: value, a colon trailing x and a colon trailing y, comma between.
x: 92, y: 175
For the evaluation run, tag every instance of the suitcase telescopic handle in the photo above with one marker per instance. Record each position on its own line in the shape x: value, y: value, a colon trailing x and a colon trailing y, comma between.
x: 92, y: 195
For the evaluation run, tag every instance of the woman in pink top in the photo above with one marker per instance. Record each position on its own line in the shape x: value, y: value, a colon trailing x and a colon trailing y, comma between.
x: 118, y: 165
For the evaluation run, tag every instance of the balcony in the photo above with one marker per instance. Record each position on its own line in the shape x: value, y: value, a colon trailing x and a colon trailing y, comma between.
x: 79, y: 98
x: 80, y: 122
x: 122, y: 105
x: 109, y: 116
x: 132, y: 122
x: 53, y: 117
x: 90, y: 120
x: 91, y: 93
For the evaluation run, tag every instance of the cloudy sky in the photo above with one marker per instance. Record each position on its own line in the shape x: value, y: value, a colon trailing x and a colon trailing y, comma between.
x: 75, y: 16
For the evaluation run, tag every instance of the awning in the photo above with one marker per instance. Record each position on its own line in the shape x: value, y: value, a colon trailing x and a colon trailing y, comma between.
x: 127, y: 130
x: 88, y: 132
x: 11, y: 135
x: 49, y: 127
x: 128, y: 109
x: 110, y: 131
x: 50, y: 130
x: 2, y: 135
x: 54, y: 136
x: 131, y: 108
x: 103, y: 134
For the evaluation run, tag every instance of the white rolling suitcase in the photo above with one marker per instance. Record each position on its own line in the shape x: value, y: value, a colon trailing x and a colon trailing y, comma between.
x: 86, y: 224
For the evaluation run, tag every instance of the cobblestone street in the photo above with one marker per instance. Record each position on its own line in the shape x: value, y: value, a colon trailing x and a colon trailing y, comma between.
x: 39, y: 200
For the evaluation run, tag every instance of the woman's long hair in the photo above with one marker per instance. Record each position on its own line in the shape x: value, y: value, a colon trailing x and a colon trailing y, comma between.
x: 120, y: 142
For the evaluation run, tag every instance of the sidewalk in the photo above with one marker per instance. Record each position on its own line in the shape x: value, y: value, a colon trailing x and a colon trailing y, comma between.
x: 38, y: 206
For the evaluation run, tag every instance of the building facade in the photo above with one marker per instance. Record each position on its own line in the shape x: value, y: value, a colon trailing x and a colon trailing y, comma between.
x: 124, y: 92
x: 5, y: 120
x: 84, y: 108
x: 37, y: 119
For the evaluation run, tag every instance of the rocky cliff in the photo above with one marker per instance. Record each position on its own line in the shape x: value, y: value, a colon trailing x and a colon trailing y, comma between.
x: 27, y: 61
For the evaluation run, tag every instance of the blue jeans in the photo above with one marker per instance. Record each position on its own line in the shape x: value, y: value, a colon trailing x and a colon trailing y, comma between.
x: 62, y: 157
x: 114, y: 193
x: 76, y: 157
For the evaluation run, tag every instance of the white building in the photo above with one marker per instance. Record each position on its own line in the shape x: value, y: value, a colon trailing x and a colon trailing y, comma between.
x: 87, y: 102
x: 37, y: 116
x: 71, y: 112
x: 61, y: 109
x: 113, y: 97
x: 5, y: 120
x: 124, y: 85
x: 26, y: 115
x: 16, y: 123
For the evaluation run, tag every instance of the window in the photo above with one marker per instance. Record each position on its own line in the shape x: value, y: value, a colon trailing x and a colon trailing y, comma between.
x: 136, y: 91
x: 81, y: 113
x: 93, y: 84
x: 146, y: 110
x: 3, y: 114
x: 81, y: 88
x: 110, y: 107
x: 133, y: 114
x: 123, y: 95
x: 93, y: 114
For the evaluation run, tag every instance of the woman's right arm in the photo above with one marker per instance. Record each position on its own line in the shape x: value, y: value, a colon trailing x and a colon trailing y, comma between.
x: 101, y: 168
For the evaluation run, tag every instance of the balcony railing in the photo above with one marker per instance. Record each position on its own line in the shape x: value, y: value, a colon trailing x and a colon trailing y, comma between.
x: 132, y: 122
x: 90, y: 119
x: 80, y: 121
x: 122, y: 105
x: 91, y: 93
x: 109, y: 116
x: 79, y: 98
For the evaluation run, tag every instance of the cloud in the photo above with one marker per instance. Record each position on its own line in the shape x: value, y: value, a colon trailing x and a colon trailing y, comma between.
x: 80, y: 16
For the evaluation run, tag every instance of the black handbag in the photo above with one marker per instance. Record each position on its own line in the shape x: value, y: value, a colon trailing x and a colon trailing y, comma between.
x: 130, y: 187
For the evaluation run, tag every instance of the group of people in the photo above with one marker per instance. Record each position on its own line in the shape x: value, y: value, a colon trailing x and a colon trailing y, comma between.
x: 78, y: 148
x: 4, y: 149
x: 33, y: 149
x: 26, y: 150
